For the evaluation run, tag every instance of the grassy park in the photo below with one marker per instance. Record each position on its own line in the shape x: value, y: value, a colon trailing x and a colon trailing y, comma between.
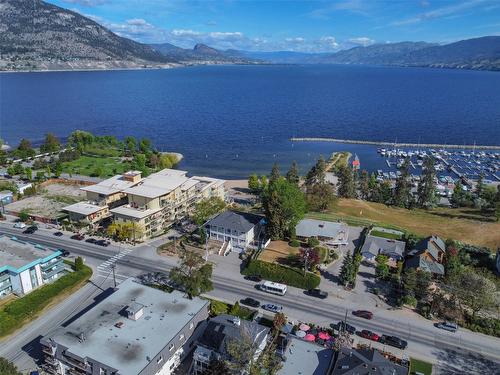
x: 460, y: 224
x: 96, y: 166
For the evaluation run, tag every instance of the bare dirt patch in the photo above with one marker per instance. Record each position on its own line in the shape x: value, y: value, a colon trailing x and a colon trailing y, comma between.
x: 49, y: 200
x: 278, y: 251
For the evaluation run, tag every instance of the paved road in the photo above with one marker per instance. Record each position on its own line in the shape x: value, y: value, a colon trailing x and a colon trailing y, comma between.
x: 425, y: 341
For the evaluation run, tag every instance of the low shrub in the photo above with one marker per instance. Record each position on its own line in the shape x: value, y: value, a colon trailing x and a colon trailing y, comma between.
x: 282, y: 274
x: 312, y: 242
x: 488, y: 326
x: 294, y: 243
x: 409, y: 301
x: 322, y: 253
x: 333, y: 255
x: 14, y: 314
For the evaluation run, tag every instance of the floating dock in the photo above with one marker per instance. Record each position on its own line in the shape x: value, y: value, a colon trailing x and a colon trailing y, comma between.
x: 392, y: 144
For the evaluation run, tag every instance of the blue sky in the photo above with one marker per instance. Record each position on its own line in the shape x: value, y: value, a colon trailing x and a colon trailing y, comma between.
x: 310, y: 26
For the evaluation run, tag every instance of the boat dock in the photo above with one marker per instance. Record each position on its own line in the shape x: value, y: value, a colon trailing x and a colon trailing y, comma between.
x: 392, y: 144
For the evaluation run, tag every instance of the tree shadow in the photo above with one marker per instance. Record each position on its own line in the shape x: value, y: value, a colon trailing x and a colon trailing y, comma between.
x: 458, y: 362
x: 327, y: 275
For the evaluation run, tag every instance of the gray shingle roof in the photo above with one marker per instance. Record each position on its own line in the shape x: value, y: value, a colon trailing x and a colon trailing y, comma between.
x: 432, y: 244
x: 319, y: 228
x: 365, y: 361
x: 377, y: 245
x: 419, y: 261
x: 240, y: 221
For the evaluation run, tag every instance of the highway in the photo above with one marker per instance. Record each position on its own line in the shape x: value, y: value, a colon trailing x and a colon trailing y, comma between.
x: 425, y: 341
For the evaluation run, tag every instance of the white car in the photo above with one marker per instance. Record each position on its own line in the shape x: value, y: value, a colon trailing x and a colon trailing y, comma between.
x: 20, y: 225
x: 272, y: 308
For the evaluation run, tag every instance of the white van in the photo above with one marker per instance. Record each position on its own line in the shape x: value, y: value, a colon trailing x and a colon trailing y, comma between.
x: 274, y: 288
x: 20, y: 225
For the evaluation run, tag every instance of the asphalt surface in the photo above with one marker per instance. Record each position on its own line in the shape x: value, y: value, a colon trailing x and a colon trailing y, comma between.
x: 452, y: 352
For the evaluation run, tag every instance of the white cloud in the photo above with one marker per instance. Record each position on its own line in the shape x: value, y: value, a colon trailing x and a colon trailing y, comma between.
x: 296, y: 40
x: 351, y: 6
x: 361, y: 41
x: 329, y: 41
x: 445, y: 11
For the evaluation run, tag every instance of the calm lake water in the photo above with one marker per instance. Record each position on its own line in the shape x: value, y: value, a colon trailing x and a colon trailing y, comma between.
x: 230, y: 121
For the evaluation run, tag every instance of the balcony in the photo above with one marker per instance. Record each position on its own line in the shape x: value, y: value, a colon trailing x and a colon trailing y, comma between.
x: 53, y: 271
x: 4, y: 276
x: 51, y: 263
x: 5, y: 284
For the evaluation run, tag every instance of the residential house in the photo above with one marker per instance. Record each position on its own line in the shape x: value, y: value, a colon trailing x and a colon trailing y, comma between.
x: 218, y: 332
x: 137, y: 330
x: 24, y: 266
x: 351, y: 361
x: 428, y: 255
x: 163, y: 198
x: 237, y: 230
x: 374, y: 246
x: 330, y: 233
x: 302, y: 357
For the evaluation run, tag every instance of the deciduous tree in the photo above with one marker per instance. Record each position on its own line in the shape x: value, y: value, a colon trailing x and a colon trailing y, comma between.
x: 192, y: 274
x: 8, y: 368
x: 207, y: 208
x: 51, y: 143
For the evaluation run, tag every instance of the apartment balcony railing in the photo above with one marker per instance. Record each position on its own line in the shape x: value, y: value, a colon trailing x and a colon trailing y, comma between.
x: 51, y: 263
x: 4, y: 276
x: 51, y: 272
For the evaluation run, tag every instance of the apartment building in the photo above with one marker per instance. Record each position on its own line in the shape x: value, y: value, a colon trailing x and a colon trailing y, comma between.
x: 24, y: 266
x: 137, y: 330
x: 101, y: 197
x: 161, y: 199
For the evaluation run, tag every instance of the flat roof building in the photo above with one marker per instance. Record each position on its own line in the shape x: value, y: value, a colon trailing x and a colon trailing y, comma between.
x: 25, y: 266
x: 135, y: 330
x: 301, y: 357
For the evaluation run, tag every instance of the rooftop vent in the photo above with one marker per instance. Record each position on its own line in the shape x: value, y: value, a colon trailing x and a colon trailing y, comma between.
x: 236, y: 321
x: 135, y: 311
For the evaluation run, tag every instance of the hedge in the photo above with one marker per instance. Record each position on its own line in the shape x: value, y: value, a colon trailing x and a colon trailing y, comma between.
x: 488, y: 326
x: 218, y: 307
x: 282, y: 274
x: 14, y: 314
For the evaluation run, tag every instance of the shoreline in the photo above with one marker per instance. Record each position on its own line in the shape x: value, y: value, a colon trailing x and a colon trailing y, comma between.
x: 392, y: 144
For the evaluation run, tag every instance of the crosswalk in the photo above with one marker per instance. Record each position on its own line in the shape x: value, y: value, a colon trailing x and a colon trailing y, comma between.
x: 105, y: 269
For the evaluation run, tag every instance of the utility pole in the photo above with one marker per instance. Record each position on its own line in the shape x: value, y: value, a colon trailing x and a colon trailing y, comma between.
x: 113, y: 266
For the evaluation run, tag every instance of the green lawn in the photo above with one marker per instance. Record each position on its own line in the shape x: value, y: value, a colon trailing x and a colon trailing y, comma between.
x: 417, y: 365
x: 390, y: 236
x: 96, y: 166
x: 18, y: 312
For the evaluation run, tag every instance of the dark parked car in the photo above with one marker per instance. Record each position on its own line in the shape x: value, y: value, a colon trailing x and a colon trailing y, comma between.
x: 77, y: 237
x: 363, y: 314
x: 393, y: 341
x: 58, y: 234
x: 250, y: 302
x: 447, y: 326
x: 65, y: 253
x: 342, y: 325
x: 31, y: 229
x: 102, y: 243
x: 91, y: 240
x: 369, y: 335
x: 316, y: 293
x: 255, y: 278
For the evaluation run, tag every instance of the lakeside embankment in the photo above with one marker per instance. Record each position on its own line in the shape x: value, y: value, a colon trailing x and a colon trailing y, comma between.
x: 393, y: 144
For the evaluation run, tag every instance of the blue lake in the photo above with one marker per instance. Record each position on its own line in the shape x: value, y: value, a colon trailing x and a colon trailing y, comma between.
x: 229, y: 121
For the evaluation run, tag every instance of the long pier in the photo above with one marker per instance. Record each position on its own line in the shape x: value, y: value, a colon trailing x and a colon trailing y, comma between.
x: 392, y: 144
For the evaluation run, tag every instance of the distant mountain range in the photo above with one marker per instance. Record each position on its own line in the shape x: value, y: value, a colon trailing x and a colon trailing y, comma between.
x: 479, y: 53
x: 42, y: 36
x: 202, y: 53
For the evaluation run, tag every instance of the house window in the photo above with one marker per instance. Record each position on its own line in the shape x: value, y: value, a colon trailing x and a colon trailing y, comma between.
x: 181, y: 337
x: 171, y: 347
x: 159, y: 360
